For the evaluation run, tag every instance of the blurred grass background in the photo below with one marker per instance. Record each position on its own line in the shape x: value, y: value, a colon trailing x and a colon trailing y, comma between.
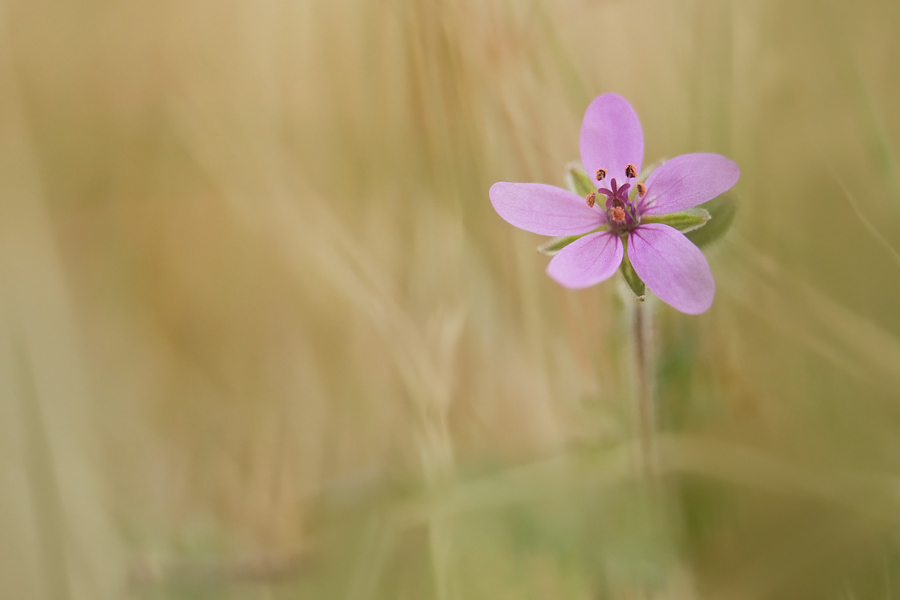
x: 262, y: 335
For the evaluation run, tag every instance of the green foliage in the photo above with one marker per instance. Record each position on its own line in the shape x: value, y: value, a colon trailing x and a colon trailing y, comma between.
x: 578, y: 181
x: 722, y: 212
x: 556, y: 244
x: 683, y: 221
x: 631, y: 277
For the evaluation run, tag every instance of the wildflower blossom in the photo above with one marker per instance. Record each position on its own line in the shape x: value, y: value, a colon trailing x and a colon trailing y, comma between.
x: 624, y: 215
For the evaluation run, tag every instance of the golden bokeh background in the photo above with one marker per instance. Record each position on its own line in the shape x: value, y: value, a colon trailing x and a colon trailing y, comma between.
x: 262, y: 335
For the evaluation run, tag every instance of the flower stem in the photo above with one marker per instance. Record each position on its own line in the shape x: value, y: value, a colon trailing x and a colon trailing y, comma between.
x: 642, y: 334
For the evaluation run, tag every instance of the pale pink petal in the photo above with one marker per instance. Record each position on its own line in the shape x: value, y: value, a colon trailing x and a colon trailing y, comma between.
x: 587, y: 261
x: 611, y: 137
x: 688, y: 180
x: 672, y: 267
x: 544, y: 209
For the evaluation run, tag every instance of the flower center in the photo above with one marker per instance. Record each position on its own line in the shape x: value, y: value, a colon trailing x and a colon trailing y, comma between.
x: 621, y: 213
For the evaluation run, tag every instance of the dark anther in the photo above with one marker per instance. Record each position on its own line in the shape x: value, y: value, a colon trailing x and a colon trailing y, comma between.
x: 630, y: 171
x: 641, y: 189
x: 601, y: 173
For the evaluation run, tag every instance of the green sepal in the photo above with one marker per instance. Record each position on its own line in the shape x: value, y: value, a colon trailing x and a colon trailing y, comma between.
x: 556, y: 244
x: 577, y: 180
x: 631, y: 277
x: 683, y: 220
x: 722, y: 211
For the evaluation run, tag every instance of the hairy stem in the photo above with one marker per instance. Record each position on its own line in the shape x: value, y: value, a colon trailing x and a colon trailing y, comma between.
x: 642, y: 332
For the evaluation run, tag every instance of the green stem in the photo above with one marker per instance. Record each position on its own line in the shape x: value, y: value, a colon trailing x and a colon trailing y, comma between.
x: 642, y: 328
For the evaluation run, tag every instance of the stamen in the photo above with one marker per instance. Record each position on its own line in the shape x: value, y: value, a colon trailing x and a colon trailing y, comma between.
x: 601, y: 173
x: 617, y: 214
x: 591, y: 199
x: 641, y: 189
x: 630, y: 171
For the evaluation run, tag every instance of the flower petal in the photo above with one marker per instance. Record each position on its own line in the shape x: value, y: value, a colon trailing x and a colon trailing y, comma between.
x: 544, y: 209
x: 611, y: 137
x: 587, y: 261
x: 672, y: 267
x: 688, y: 180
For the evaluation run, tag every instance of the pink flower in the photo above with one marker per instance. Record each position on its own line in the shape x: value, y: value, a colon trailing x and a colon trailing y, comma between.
x: 612, y: 149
